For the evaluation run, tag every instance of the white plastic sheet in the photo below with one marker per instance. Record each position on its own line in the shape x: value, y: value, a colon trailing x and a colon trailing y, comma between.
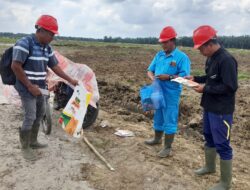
x: 79, y: 72
x: 124, y: 133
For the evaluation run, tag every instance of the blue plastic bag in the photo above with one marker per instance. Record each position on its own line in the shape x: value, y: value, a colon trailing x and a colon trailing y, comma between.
x: 152, y: 96
x: 145, y: 93
x: 157, y: 96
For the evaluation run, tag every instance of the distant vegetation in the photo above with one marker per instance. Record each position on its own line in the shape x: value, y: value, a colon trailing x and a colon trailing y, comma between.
x: 239, y: 42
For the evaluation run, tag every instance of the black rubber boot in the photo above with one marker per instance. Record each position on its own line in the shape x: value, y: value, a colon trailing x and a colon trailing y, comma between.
x: 34, y: 143
x: 27, y: 152
x: 225, y: 176
x: 165, y: 152
x: 210, y: 162
x: 156, y: 140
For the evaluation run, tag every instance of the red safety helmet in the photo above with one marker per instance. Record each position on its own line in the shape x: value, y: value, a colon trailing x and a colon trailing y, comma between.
x: 203, y: 34
x: 48, y: 23
x: 167, y: 33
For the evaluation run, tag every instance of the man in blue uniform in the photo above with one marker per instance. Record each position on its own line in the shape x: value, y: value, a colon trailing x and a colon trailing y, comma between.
x: 218, y: 102
x: 31, y: 57
x: 166, y: 65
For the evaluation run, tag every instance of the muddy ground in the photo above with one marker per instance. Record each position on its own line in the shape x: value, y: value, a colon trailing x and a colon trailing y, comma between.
x: 69, y: 164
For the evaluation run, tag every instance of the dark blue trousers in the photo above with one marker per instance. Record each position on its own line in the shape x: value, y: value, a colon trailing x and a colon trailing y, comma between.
x: 216, y: 129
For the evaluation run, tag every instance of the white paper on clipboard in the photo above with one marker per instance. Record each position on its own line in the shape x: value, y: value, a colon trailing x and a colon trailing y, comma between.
x: 185, y: 82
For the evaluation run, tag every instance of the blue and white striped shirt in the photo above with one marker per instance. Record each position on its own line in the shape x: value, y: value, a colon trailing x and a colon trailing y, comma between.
x: 35, y: 63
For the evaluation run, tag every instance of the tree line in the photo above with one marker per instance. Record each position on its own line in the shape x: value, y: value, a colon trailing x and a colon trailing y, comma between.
x: 240, y: 42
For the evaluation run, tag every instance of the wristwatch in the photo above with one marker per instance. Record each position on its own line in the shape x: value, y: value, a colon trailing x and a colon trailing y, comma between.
x: 171, y: 77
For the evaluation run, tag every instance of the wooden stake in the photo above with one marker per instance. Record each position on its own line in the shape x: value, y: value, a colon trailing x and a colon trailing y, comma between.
x: 97, y: 153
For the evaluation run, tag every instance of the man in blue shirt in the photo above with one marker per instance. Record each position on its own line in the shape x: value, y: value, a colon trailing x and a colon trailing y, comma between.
x: 31, y: 57
x: 166, y: 65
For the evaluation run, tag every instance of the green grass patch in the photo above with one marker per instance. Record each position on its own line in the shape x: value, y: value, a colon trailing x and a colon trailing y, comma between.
x: 197, y: 72
x: 6, y: 40
x: 243, y: 76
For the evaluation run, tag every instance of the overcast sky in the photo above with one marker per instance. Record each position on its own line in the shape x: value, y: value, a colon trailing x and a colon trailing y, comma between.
x: 127, y: 18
